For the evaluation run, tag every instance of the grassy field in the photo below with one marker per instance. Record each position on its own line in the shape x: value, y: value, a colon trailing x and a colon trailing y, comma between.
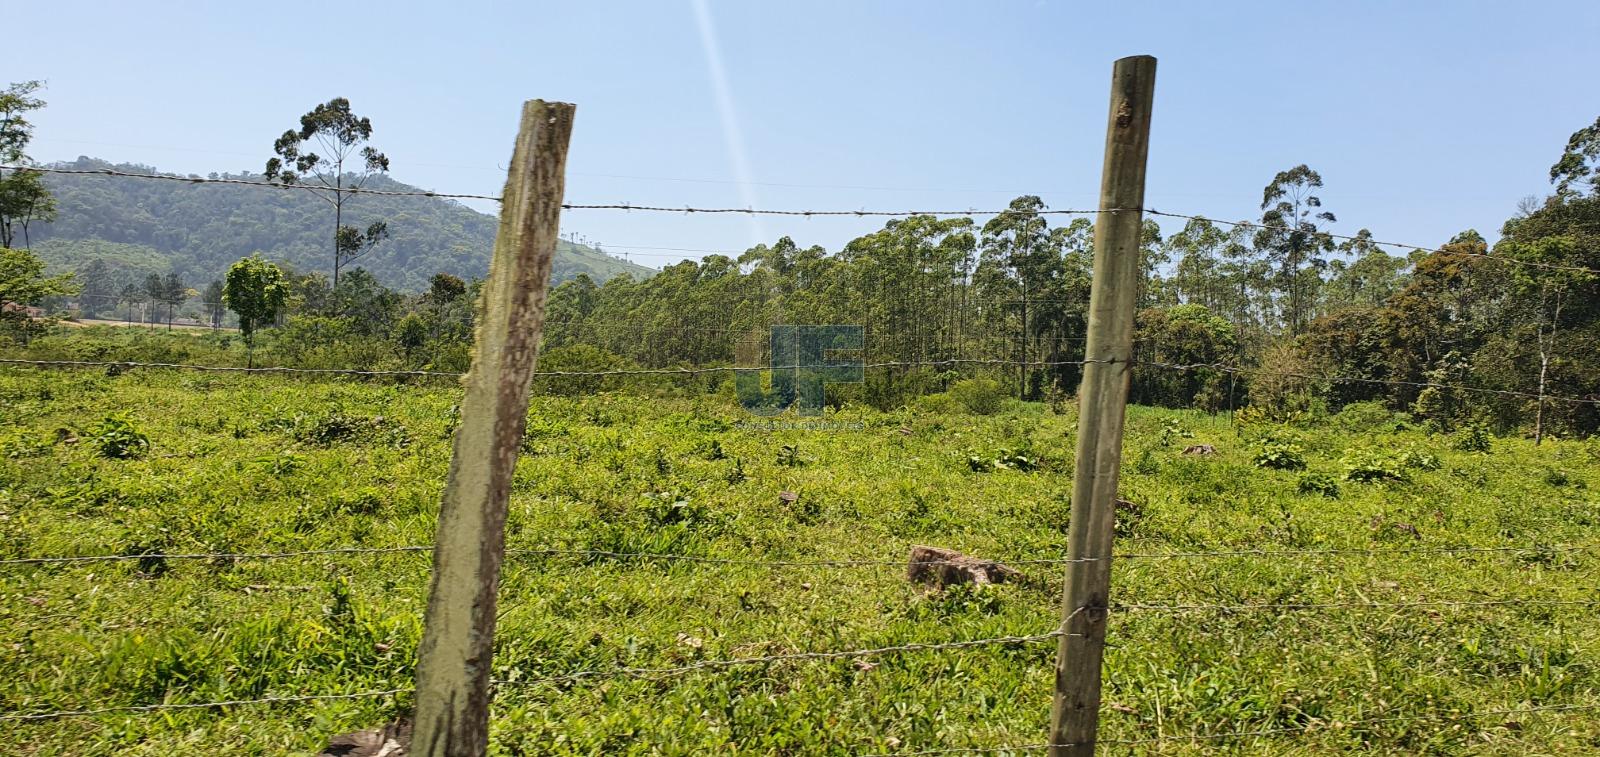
x: 263, y: 464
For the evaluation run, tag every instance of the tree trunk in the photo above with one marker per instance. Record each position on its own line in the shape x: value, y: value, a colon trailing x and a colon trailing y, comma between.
x: 1538, y: 417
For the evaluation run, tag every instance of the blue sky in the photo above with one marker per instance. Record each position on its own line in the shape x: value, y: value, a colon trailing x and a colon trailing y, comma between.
x: 1423, y: 118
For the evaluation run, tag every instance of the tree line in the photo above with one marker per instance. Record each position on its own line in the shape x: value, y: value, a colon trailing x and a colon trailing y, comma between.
x: 1275, y: 312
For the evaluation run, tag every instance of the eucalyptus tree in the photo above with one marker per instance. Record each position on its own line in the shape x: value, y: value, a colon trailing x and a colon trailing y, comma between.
x: 1579, y: 164
x: 1293, y: 241
x: 1024, y: 257
x: 331, y: 148
x: 1367, y: 278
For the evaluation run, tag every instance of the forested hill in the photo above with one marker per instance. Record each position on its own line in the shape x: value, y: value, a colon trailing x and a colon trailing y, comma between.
x: 198, y: 230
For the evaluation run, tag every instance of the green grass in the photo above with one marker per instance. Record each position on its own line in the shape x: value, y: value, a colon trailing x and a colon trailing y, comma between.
x: 261, y: 464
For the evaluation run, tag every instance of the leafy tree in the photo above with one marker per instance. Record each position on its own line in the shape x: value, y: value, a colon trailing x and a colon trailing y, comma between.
x: 1580, y: 163
x: 132, y: 294
x: 346, y: 162
x: 22, y: 279
x: 212, y: 302
x: 173, y: 294
x: 255, y: 290
x: 1369, y: 279
x: 155, y: 291
x: 23, y: 196
x: 23, y: 283
x: 1292, y: 240
x: 370, y: 307
x: 1017, y: 244
x: 99, y: 288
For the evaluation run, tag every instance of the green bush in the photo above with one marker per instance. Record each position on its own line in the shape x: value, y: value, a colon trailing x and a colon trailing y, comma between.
x: 1318, y: 483
x: 1279, y: 456
x: 1475, y: 438
x: 1367, y: 466
x: 1361, y: 417
x: 979, y: 396
x: 1172, y: 430
x: 117, y: 439
x: 1412, y: 457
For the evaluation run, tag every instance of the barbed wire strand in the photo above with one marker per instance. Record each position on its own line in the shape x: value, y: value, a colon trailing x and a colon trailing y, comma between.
x: 797, y: 213
x: 132, y: 708
x: 1589, y: 400
x: 1401, y: 245
x: 1299, y: 606
x: 644, y: 673
x: 1362, y: 380
x: 841, y: 563
x: 1319, y: 725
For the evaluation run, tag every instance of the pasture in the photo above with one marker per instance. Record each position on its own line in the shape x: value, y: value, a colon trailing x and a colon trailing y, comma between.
x: 1387, y: 644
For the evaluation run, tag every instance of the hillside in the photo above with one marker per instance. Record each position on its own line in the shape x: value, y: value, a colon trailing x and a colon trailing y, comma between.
x: 199, y: 230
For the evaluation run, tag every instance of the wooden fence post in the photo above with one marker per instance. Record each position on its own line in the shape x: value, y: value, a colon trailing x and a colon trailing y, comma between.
x: 1102, y: 398
x: 452, y: 715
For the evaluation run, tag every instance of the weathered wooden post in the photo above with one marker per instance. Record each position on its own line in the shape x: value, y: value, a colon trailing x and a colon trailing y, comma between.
x: 452, y: 715
x: 1102, y: 398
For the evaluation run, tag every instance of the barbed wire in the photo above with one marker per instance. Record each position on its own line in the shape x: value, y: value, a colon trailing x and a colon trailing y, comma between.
x: 1299, y: 606
x: 644, y: 673
x: 1371, y: 241
x: 1318, y: 725
x: 1225, y: 368
x: 839, y: 563
x: 717, y: 664
x: 295, y: 698
x: 795, y: 213
x: 1221, y: 367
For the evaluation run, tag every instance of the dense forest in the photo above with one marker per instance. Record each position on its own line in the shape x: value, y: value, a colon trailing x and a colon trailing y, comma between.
x: 140, y: 226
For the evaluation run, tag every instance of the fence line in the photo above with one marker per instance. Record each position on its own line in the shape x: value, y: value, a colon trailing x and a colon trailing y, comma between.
x: 842, y: 563
x: 1221, y: 367
x: 1298, y: 606
x: 642, y: 673
x: 1323, y: 724
x: 795, y: 213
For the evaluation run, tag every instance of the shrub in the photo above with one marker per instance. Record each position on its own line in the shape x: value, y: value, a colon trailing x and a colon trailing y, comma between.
x: 1367, y: 466
x: 1319, y: 483
x: 789, y: 456
x: 1172, y: 430
x: 119, y: 440
x: 1006, y: 459
x: 338, y: 427
x: 1412, y: 457
x: 937, y: 404
x: 1364, y: 416
x: 979, y: 396
x: 1474, y: 439
x: 1280, y: 456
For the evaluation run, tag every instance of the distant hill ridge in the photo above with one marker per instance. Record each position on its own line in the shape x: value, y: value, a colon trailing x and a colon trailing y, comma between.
x: 198, y: 230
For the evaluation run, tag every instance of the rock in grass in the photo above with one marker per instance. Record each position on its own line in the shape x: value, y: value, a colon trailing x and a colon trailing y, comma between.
x: 942, y: 567
x: 392, y: 740
x: 1200, y: 449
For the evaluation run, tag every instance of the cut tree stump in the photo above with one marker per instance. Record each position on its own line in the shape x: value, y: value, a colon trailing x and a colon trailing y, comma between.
x: 942, y: 567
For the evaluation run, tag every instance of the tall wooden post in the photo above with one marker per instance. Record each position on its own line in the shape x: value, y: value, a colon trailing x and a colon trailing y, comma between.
x: 452, y: 716
x: 1102, y: 398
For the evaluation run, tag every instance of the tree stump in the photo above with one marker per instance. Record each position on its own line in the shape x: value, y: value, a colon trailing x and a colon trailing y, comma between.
x: 937, y: 566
